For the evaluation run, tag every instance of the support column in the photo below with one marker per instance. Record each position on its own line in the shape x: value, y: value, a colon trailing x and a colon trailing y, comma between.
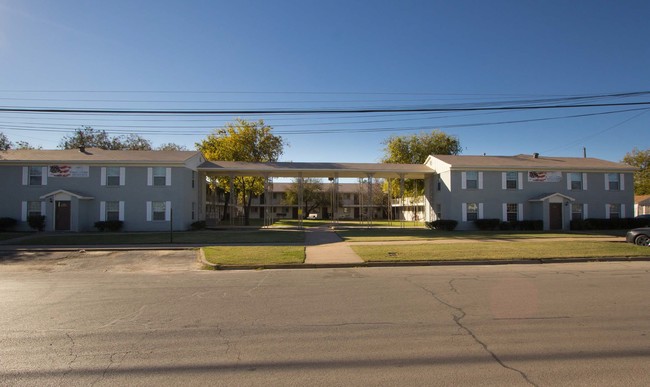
x: 300, y: 200
x: 401, y: 200
x: 232, y: 199
x: 370, y: 201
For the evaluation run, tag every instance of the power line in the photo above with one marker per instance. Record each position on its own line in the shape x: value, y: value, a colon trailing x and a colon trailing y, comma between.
x: 311, y: 111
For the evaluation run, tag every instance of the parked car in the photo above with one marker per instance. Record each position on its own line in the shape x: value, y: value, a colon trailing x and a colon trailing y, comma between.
x: 639, y: 236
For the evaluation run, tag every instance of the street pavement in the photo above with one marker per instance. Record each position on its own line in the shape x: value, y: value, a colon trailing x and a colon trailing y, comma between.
x: 117, y: 319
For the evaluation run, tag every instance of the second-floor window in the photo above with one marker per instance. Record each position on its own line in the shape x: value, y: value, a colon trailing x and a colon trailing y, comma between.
x: 471, y: 180
x: 613, y: 182
x: 575, y: 180
x: 35, y: 176
x: 159, y: 176
x: 113, y: 176
x: 511, y: 180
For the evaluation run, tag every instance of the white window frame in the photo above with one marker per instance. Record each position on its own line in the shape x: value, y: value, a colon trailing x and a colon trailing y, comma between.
x: 608, y: 211
x: 479, y: 213
x: 519, y: 181
x: 621, y: 182
x: 103, y: 213
x: 479, y: 180
x: 104, y: 177
x: 582, y: 211
x: 151, y: 178
x: 25, y: 210
x: 27, y: 177
x: 520, y: 211
x: 168, y: 207
x: 583, y: 181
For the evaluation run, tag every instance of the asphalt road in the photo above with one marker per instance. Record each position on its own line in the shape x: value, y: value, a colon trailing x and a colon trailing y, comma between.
x: 116, y: 319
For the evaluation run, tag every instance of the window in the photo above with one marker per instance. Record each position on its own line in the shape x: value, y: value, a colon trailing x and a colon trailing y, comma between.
x: 158, y: 210
x: 112, y: 211
x: 439, y: 211
x: 613, y: 182
x: 576, y: 211
x: 471, y: 180
x: 35, y: 176
x: 113, y: 176
x: 575, y: 181
x: 511, y: 180
x: 614, y: 211
x: 512, y: 213
x: 472, y: 211
x: 159, y: 176
x: 33, y: 209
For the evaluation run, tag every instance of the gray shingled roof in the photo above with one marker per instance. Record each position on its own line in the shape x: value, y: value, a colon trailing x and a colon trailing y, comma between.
x: 95, y: 156
x: 319, y: 169
x: 529, y: 162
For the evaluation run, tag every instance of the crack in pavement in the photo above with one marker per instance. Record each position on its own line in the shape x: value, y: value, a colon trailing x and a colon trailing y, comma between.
x: 457, y: 317
x: 70, y: 353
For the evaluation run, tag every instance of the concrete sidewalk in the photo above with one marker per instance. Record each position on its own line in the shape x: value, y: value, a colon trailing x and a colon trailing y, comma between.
x: 326, y: 247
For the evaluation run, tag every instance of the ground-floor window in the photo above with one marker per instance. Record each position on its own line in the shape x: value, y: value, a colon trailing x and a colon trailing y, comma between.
x: 512, y: 212
x: 33, y: 209
x: 158, y: 210
x: 112, y: 210
x: 472, y: 211
x: 576, y: 211
x: 439, y: 211
x: 614, y: 211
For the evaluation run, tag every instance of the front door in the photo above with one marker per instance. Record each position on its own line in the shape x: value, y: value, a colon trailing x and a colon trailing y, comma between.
x: 555, y: 216
x: 62, y: 215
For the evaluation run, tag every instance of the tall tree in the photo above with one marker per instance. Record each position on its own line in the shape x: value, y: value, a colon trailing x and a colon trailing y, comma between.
x: 414, y: 149
x: 88, y: 137
x: 4, y: 142
x: 641, y: 160
x: 243, y: 141
x: 313, y: 195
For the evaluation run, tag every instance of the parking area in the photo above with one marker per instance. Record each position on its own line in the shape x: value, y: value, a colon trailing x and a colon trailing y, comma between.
x: 136, y: 260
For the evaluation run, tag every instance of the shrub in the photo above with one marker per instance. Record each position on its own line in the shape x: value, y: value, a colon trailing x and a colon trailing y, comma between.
x: 199, y: 225
x: 487, y: 224
x: 7, y: 223
x: 442, y: 224
x: 37, y: 222
x: 109, y: 225
x: 522, y: 225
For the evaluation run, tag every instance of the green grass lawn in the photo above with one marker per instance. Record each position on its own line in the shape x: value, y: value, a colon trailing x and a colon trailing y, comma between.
x: 254, y: 255
x: 12, y: 235
x: 207, y: 237
x: 410, y: 234
x: 499, y: 250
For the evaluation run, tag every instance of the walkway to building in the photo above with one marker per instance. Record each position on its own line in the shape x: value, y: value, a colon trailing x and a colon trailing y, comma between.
x: 323, y: 246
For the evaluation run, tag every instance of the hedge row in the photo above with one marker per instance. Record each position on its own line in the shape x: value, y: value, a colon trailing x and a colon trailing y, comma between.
x: 442, y: 224
x: 609, y: 224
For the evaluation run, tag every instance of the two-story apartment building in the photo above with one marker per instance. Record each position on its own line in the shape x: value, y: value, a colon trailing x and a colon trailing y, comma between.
x: 75, y: 188
x: 555, y: 190
x: 147, y: 190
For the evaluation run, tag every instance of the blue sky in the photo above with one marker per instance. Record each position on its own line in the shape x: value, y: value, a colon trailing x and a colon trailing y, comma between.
x: 242, y: 55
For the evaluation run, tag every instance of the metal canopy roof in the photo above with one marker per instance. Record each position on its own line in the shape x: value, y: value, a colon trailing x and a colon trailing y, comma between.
x: 320, y: 169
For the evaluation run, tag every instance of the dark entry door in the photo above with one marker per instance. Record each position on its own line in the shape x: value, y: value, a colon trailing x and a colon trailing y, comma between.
x: 62, y: 216
x: 555, y: 216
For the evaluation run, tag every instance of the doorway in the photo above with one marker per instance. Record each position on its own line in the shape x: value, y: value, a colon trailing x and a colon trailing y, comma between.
x: 555, y: 216
x: 62, y: 215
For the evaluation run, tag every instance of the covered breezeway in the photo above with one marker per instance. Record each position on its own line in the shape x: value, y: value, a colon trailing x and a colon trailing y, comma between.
x: 300, y: 171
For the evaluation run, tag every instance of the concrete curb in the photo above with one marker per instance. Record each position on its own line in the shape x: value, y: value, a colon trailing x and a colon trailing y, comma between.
x: 202, y: 259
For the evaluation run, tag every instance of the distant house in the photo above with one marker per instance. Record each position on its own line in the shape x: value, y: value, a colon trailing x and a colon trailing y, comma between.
x: 642, y: 205
x: 75, y: 188
x: 555, y: 190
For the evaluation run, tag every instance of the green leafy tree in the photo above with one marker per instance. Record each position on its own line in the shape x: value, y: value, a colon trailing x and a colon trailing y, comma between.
x: 89, y: 137
x: 26, y: 145
x: 313, y: 195
x: 414, y: 149
x: 242, y: 141
x: 5, y: 144
x: 641, y: 160
x: 170, y: 146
